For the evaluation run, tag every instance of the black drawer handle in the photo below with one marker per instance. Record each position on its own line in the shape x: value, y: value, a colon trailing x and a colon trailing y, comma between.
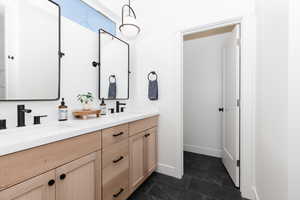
x: 118, y: 194
x: 62, y: 177
x: 116, y: 135
x: 147, y: 135
x: 51, y: 182
x: 118, y: 160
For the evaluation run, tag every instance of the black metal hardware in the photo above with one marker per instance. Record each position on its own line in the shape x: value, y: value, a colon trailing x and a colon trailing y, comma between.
x: 95, y: 64
x: 118, y: 160
x: 2, y: 124
x: 37, y: 119
x: 112, y: 110
x: 238, y: 163
x: 62, y: 177
x: 122, y: 109
x: 221, y: 109
x: 147, y: 135
x: 152, y: 73
x: 61, y: 54
x: 21, y: 115
x: 118, y: 194
x: 119, y: 134
x: 11, y: 57
x: 51, y: 182
x: 101, y: 31
x: 118, y: 104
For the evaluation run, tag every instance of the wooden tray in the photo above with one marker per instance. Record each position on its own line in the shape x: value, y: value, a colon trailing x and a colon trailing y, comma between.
x: 84, y: 114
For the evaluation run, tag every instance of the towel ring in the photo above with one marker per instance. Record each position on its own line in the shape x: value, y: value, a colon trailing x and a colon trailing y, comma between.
x: 152, y: 73
x: 114, y: 77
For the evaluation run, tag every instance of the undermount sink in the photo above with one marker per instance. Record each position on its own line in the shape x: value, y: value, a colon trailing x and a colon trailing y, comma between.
x: 40, y: 129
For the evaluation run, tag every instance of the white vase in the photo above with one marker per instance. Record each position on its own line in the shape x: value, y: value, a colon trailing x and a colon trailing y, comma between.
x: 86, y: 106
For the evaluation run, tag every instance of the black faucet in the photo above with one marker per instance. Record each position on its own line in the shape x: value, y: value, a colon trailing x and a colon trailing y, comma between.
x: 118, y: 104
x: 21, y: 115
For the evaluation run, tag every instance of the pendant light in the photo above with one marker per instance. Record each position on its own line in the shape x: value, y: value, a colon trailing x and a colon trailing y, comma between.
x: 129, y: 27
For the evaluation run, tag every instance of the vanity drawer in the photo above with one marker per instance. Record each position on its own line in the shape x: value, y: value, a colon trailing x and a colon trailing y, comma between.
x: 116, y: 188
x: 114, y: 135
x: 142, y: 125
x: 115, y: 154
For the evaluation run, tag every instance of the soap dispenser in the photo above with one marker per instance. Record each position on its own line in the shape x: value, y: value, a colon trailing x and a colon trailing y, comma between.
x: 62, y: 111
x: 103, y: 107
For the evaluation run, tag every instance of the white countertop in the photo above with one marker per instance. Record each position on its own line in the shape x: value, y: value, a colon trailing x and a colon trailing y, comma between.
x: 18, y: 139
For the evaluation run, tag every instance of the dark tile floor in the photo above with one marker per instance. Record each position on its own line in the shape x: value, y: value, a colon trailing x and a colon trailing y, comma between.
x: 205, y: 178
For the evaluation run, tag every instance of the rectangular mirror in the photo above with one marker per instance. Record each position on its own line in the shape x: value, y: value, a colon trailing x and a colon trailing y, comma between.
x: 114, y: 67
x: 29, y: 50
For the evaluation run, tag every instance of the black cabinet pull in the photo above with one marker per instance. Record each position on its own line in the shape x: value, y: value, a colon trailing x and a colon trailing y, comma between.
x: 118, y: 160
x: 51, y: 182
x: 62, y: 177
x: 221, y: 109
x: 118, y: 194
x: 119, y: 134
x: 147, y: 135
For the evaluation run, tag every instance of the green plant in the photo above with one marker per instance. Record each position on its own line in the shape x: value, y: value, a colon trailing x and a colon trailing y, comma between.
x: 85, y: 98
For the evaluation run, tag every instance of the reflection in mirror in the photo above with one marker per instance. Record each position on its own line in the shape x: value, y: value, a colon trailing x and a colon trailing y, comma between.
x: 114, y: 70
x: 29, y: 50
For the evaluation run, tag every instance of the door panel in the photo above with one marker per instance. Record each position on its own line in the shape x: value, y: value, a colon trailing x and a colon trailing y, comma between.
x: 78, y: 180
x: 231, y: 97
x: 137, y: 169
x: 150, y: 151
x: 34, y: 189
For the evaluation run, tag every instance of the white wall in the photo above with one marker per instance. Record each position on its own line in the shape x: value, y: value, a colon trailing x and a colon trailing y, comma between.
x: 294, y: 99
x: 78, y: 75
x: 158, y: 48
x: 272, y: 99
x: 202, y: 89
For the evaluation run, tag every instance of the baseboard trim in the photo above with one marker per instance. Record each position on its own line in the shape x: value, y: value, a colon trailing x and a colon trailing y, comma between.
x: 167, y: 170
x: 255, y: 193
x: 203, y: 150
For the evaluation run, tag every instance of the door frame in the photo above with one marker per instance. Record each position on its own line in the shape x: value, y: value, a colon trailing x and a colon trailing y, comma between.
x: 247, y: 98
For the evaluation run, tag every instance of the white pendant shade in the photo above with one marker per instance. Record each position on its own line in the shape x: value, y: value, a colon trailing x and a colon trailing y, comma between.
x: 129, y: 28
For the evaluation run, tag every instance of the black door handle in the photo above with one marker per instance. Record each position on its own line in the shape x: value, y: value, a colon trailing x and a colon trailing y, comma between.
x: 118, y: 194
x: 221, y: 109
x: 118, y: 160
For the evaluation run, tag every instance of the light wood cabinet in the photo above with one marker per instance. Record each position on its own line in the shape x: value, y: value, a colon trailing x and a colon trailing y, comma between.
x: 79, y: 179
x: 39, y: 188
x: 143, y: 158
x: 150, y: 151
x: 137, y: 158
x: 103, y: 165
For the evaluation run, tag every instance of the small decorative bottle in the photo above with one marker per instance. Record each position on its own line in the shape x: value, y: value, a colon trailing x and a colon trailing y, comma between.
x: 62, y: 111
x: 103, y: 107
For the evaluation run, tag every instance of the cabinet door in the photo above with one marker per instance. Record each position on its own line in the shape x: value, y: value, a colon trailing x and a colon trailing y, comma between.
x: 137, y: 170
x: 39, y: 188
x: 150, y: 151
x: 80, y: 179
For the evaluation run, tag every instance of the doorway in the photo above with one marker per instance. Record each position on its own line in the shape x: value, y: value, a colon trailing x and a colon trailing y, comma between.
x: 211, y: 99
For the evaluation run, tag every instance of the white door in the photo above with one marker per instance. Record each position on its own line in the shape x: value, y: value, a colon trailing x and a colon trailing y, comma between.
x: 231, y: 113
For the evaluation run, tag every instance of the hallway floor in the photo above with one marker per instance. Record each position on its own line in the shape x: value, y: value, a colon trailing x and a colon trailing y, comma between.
x: 205, y: 178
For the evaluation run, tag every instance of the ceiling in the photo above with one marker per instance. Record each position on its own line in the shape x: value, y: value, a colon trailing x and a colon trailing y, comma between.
x: 113, y: 5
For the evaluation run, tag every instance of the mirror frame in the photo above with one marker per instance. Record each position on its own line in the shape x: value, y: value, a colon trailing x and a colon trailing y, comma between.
x: 128, y: 69
x: 59, y: 55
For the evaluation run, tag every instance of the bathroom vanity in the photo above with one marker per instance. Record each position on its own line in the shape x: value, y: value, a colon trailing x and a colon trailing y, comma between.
x: 104, y: 159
